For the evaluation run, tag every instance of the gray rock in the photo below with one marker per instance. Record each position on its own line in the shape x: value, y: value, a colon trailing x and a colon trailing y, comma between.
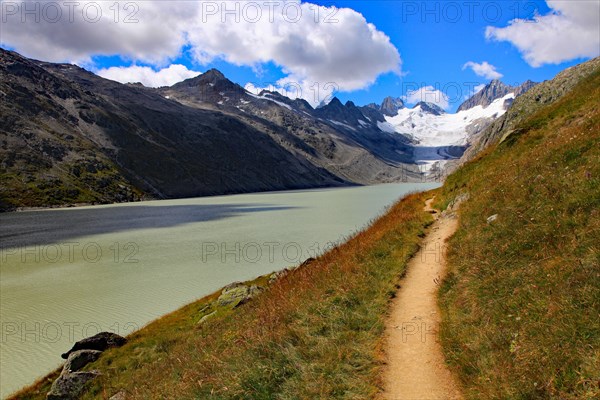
x: 237, y: 294
x: 70, y: 385
x: 206, y: 317
x: 120, y: 395
x: 71, y: 382
x: 454, y: 204
x: 391, y: 105
x: 100, y: 342
x: 277, y: 275
x: 79, y: 359
x: 492, y: 218
x: 430, y: 108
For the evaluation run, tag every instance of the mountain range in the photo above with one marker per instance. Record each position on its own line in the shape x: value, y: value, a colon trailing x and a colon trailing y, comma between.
x: 68, y: 136
x: 492, y: 91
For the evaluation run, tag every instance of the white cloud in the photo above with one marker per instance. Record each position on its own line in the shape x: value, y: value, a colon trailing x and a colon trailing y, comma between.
x: 147, y: 31
x: 483, y: 69
x: 428, y: 94
x: 148, y: 76
x: 310, y: 43
x: 570, y: 31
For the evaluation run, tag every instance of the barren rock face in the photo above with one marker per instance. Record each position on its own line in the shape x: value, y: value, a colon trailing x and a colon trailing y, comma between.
x: 71, y: 382
x: 79, y: 359
x: 237, y: 294
x: 70, y: 385
x: 98, y: 342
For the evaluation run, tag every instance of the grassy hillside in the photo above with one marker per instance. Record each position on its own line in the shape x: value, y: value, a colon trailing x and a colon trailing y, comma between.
x: 313, y: 334
x: 522, y: 302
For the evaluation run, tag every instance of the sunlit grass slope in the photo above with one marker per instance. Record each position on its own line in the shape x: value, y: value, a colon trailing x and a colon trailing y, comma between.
x: 522, y: 302
x: 316, y: 333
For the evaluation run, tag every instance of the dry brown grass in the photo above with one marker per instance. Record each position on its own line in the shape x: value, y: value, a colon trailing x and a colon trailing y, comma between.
x: 314, y: 334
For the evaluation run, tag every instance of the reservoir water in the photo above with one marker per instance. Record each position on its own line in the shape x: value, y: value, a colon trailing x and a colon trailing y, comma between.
x: 69, y: 273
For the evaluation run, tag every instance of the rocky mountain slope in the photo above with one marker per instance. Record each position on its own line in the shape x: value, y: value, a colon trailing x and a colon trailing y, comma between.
x: 492, y: 91
x: 429, y: 108
x: 341, y: 138
x: 68, y: 136
x: 531, y: 101
x: 389, y: 107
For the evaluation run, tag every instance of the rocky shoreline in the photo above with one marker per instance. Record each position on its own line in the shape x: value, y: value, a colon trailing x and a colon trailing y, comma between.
x: 72, y: 379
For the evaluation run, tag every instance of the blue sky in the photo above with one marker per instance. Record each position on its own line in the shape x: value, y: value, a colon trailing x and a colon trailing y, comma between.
x: 434, y: 41
x: 434, y: 50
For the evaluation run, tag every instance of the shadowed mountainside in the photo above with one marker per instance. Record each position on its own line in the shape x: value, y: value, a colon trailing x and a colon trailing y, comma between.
x: 68, y: 136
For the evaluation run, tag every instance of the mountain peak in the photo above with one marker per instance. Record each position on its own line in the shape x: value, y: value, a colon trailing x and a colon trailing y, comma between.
x: 497, y: 86
x: 334, y: 103
x: 349, y: 113
x: 391, y: 106
x: 212, y: 76
x: 492, y: 91
x: 430, y: 108
x: 213, y: 73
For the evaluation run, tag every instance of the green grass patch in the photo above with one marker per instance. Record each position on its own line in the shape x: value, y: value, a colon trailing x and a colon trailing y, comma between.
x: 522, y: 302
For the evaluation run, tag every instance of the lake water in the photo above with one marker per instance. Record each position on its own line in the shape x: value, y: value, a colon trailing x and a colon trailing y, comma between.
x: 70, y: 273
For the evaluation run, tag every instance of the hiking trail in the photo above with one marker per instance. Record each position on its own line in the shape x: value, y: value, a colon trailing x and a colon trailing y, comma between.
x: 416, y: 369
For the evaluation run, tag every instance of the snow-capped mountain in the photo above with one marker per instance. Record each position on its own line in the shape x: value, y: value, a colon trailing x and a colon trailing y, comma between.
x: 433, y: 129
x: 429, y: 108
x: 424, y: 135
x: 438, y: 136
x: 338, y: 137
x: 492, y: 91
x: 208, y: 135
